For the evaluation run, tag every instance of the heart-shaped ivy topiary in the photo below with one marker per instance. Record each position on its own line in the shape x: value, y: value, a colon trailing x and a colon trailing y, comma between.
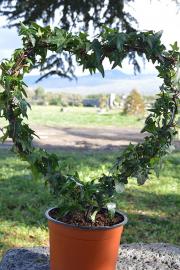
x: 137, y: 160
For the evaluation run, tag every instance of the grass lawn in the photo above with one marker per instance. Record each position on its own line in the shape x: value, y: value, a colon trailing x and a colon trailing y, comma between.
x: 153, y: 209
x: 80, y: 116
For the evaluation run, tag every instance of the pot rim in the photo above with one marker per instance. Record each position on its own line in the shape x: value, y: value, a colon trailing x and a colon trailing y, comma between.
x: 86, y: 227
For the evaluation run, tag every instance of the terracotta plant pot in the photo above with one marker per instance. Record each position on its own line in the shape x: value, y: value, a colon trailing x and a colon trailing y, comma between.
x: 83, y: 248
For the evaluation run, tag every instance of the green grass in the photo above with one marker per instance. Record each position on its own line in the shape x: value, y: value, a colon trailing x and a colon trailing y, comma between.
x: 152, y: 209
x: 80, y: 116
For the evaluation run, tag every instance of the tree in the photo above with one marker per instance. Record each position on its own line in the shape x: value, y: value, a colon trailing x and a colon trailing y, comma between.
x: 103, y: 99
x: 54, y: 99
x: 73, y: 15
x: 134, y: 103
x: 39, y: 95
x: 75, y: 100
x: 70, y: 13
x: 39, y: 92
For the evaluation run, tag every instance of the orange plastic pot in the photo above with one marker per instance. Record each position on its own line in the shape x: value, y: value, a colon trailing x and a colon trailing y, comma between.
x: 83, y: 248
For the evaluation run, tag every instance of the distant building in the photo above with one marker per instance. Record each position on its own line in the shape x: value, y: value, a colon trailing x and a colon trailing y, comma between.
x: 89, y: 102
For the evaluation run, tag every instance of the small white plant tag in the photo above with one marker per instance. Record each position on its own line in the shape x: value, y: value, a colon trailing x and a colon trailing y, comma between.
x: 111, y: 208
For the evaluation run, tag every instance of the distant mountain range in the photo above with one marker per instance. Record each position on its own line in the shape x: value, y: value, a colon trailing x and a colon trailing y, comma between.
x: 114, y: 82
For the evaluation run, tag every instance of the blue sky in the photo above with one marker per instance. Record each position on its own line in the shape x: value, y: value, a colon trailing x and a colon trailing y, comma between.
x: 154, y: 14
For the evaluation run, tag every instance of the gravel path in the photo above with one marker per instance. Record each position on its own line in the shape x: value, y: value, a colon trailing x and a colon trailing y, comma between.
x: 132, y: 257
x: 105, y: 138
x: 149, y: 257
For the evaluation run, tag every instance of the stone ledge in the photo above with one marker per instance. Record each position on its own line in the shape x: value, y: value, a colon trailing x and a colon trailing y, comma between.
x: 132, y: 257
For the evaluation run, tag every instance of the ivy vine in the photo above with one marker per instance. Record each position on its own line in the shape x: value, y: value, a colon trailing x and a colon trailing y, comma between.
x: 137, y: 160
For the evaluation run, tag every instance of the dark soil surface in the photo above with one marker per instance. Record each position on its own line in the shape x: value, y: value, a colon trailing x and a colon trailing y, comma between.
x: 79, y: 219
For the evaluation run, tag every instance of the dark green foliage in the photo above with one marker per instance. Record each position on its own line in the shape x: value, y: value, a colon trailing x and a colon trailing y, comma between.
x: 70, y: 13
x: 134, y: 104
x: 137, y: 160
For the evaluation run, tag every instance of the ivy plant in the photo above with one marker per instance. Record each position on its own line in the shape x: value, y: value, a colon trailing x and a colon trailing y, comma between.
x: 136, y: 161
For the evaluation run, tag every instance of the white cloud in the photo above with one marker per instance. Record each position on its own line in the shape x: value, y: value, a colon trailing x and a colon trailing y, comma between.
x: 158, y: 15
